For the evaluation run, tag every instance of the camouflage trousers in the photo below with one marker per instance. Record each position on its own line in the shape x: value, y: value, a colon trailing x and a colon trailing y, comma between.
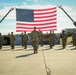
x: 63, y: 43
x: 51, y: 43
x: 0, y: 45
x: 25, y: 44
x: 41, y: 42
x: 35, y: 46
x: 12, y: 45
x: 22, y: 43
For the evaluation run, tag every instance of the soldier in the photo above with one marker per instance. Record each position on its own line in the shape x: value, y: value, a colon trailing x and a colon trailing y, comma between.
x: 46, y: 36
x: 12, y: 39
x: 25, y: 39
x: 1, y: 41
x: 41, y: 38
x: 21, y: 35
x: 35, y: 39
x: 54, y: 36
x: 74, y: 39
x: 64, y: 39
x: 51, y: 40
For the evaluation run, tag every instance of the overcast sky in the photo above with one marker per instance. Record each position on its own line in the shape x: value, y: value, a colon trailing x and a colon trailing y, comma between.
x: 9, y: 23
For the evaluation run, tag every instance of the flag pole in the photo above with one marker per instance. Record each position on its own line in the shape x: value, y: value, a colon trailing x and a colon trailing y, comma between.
x: 7, y: 14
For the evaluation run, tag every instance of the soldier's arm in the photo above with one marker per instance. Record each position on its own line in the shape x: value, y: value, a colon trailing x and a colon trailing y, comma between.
x: 66, y: 36
x: 31, y: 35
x: 8, y: 34
x: 2, y: 39
x: 21, y: 34
x: 38, y: 35
x: 27, y: 37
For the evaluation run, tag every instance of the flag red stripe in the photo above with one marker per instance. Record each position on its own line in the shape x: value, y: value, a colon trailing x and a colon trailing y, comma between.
x: 45, y: 9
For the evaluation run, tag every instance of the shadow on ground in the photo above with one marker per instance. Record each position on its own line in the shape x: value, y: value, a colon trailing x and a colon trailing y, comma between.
x: 59, y: 49
x: 20, y: 56
x: 6, y: 50
x: 46, y: 49
x: 73, y: 49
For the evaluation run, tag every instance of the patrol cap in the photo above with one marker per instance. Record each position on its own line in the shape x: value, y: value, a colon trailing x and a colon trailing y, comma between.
x: 50, y: 31
x: 63, y: 31
x: 34, y: 27
x: 24, y: 31
x: 11, y: 32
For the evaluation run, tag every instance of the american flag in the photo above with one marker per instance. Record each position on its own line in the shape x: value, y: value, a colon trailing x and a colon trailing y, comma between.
x: 42, y: 19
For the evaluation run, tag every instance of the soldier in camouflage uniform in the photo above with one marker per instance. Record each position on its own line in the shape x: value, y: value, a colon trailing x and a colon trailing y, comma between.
x: 41, y: 38
x: 64, y: 39
x: 35, y: 39
x: 74, y: 39
x: 1, y: 41
x: 12, y: 40
x: 51, y: 40
x: 25, y: 39
x: 54, y: 36
x: 21, y: 35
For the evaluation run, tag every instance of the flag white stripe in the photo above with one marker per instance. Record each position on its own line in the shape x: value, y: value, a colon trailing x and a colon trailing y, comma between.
x: 36, y: 26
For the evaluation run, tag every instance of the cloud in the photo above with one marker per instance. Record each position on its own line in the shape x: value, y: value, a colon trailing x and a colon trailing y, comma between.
x: 6, y: 4
x: 36, y: 0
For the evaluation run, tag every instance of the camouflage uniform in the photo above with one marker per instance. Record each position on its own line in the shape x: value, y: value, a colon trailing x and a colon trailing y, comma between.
x: 74, y: 39
x: 25, y: 39
x: 35, y: 39
x: 46, y: 36
x: 54, y: 36
x: 41, y: 39
x: 1, y: 41
x: 22, y: 39
x: 12, y: 40
x: 64, y: 39
x: 51, y: 40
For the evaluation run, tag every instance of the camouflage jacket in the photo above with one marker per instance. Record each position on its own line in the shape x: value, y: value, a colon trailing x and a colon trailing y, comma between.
x: 12, y: 38
x: 35, y: 36
x: 1, y: 39
x: 25, y: 37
